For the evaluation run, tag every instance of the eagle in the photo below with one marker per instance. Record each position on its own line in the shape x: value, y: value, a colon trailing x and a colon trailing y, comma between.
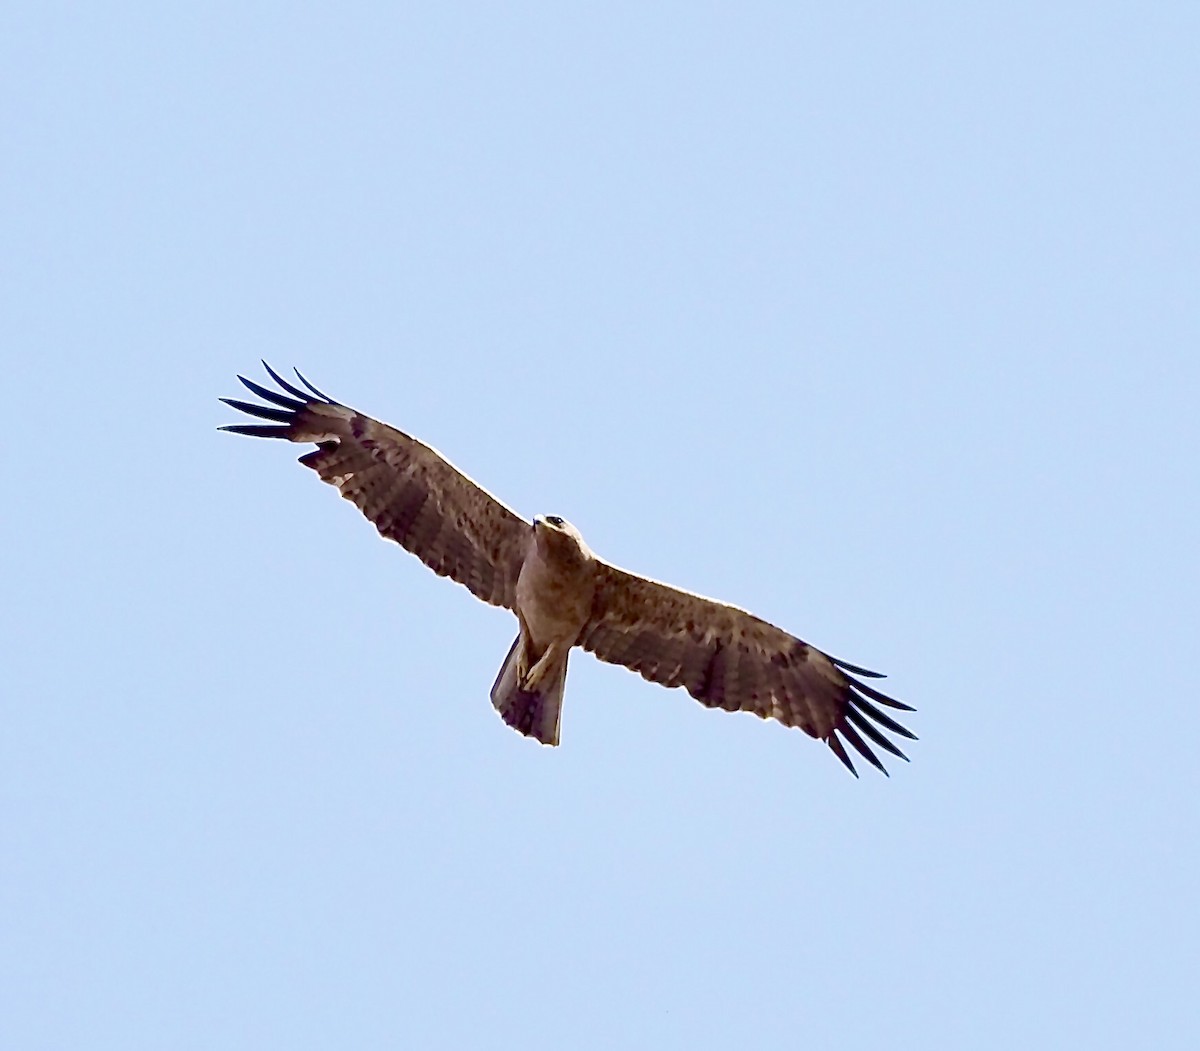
x: 564, y: 595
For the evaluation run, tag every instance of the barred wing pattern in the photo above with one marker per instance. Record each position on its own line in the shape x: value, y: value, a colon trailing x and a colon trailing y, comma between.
x: 409, y: 491
x: 728, y: 658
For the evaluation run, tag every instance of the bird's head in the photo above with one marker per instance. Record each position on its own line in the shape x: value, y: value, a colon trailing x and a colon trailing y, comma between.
x: 557, y: 536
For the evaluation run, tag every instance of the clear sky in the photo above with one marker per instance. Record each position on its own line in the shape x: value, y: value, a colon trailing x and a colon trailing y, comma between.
x: 880, y: 320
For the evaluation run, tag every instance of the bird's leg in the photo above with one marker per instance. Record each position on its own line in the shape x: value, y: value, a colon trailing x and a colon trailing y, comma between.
x: 535, y: 676
x: 523, y: 645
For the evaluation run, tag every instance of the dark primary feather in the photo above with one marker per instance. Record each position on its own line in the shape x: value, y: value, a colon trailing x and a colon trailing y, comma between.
x: 287, y: 386
x: 256, y: 430
x: 410, y: 492
x: 270, y: 395
x: 263, y: 412
x: 323, y: 397
x: 728, y: 658
x: 857, y: 718
x: 846, y: 666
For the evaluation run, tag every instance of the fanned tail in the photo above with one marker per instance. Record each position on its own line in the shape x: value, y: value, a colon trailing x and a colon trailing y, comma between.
x: 534, y: 713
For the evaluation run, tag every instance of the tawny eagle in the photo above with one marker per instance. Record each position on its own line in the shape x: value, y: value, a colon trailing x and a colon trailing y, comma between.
x: 563, y: 595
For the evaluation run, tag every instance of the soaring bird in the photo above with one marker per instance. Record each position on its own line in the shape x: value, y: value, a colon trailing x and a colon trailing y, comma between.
x: 564, y: 595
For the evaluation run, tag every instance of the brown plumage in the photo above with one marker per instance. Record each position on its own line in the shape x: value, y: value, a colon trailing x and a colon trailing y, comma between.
x: 563, y: 595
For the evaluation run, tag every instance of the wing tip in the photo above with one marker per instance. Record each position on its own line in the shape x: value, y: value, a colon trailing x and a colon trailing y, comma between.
x: 288, y: 412
x: 838, y: 749
x: 861, y: 747
x: 257, y: 430
x: 855, y: 668
x: 877, y: 695
x: 320, y: 394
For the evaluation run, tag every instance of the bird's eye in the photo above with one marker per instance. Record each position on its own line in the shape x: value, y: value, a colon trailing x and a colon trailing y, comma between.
x: 554, y: 520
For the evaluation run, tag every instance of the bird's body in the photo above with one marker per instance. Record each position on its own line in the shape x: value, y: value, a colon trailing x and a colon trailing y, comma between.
x: 556, y: 584
x: 554, y: 596
x: 563, y: 595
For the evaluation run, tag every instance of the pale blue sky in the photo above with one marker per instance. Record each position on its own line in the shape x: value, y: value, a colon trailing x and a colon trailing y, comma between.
x: 879, y: 320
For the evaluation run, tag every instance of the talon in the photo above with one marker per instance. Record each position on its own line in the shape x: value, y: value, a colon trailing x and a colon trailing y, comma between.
x: 535, y: 677
x: 529, y: 681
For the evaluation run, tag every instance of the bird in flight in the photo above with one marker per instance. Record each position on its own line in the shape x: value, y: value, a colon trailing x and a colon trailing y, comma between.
x: 565, y: 596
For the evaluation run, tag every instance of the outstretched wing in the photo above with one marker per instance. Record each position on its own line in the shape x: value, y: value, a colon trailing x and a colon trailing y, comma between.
x: 411, y: 493
x: 728, y: 658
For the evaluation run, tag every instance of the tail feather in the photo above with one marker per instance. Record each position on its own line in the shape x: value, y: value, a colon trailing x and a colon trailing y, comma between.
x: 534, y: 713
